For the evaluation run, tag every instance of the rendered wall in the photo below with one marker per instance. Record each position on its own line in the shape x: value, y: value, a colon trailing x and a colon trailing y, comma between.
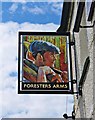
x: 85, y: 46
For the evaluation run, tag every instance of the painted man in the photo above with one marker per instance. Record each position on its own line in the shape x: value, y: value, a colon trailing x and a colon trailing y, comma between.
x: 45, y: 55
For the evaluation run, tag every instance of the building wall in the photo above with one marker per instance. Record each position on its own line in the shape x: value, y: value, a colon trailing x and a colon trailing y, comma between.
x: 85, y: 102
x: 93, y: 114
x: 85, y: 46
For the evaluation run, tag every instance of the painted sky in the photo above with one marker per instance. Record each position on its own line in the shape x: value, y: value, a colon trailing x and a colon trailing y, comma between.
x: 32, y: 17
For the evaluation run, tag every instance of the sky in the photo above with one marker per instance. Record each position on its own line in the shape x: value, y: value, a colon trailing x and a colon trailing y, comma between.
x: 34, y: 12
x: 29, y: 16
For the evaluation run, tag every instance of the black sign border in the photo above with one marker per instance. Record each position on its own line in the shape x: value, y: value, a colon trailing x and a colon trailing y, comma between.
x: 44, y: 91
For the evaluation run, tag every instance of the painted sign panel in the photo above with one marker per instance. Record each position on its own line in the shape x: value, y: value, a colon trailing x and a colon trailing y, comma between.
x: 44, y: 63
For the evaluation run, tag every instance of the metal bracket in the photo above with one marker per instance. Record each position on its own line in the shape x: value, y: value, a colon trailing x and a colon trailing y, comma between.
x: 73, y: 115
x: 80, y: 90
x: 74, y: 81
x: 72, y: 43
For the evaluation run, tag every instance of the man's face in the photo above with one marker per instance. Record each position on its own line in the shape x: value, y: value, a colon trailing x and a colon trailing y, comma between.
x: 39, y: 60
x: 49, y: 58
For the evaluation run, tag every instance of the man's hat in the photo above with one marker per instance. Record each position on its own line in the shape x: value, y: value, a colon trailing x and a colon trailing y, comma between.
x: 39, y: 46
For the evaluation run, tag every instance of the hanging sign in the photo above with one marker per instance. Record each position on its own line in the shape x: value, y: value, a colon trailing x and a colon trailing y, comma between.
x: 44, y: 64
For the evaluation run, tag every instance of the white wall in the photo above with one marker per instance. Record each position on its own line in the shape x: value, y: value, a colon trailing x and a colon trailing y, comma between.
x: 85, y: 46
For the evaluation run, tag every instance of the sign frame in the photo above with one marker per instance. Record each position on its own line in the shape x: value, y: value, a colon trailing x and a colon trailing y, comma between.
x: 44, y: 91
